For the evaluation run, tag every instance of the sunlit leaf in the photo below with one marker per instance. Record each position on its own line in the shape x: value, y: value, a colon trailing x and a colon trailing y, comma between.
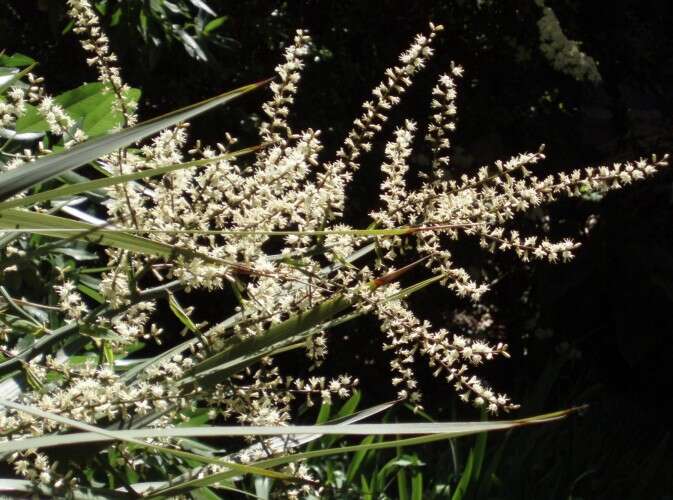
x: 83, y: 187
x: 115, y: 436
x: 94, y: 434
x: 44, y: 168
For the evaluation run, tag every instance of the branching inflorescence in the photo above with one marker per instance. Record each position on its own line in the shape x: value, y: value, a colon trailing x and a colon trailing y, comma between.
x: 288, y: 188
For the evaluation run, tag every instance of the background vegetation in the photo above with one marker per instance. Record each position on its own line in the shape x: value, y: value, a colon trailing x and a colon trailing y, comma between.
x: 595, y: 331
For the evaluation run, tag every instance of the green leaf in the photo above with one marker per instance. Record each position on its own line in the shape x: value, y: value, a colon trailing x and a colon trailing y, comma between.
x: 246, y: 352
x: 79, y: 254
x: 443, y: 430
x: 346, y: 409
x: 201, y: 4
x: 88, y: 290
x: 16, y: 60
x: 374, y: 446
x: 116, y: 17
x: 344, y: 415
x: 142, y: 17
x: 98, y: 115
x: 214, y: 24
x: 349, y: 407
x: 358, y: 458
x: 197, y: 418
x: 465, y: 478
x: 91, y: 105
x: 181, y: 314
x: 33, y: 381
x: 16, y: 76
x: 24, y: 488
x: 98, y: 332
x: 366, y: 488
x: 59, y: 227
x: 99, y: 432
x: 479, y: 454
x: 324, y: 413
x: 405, y: 292
x: 399, y: 462
x: 192, y: 46
x: 402, y: 485
x: 108, y: 353
x: 485, y: 485
x: 417, y: 486
x: 19, y: 179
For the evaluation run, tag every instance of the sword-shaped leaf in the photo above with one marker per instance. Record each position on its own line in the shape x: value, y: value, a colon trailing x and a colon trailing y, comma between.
x: 447, y: 430
x: 22, y: 178
x: 83, y: 187
x: 92, y: 430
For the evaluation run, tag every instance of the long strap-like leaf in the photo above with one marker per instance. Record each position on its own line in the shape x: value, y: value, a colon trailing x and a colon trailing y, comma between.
x: 189, y: 484
x: 114, y: 436
x: 420, y: 428
x: 59, y: 227
x: 82, y: 187
x: 25, y: 176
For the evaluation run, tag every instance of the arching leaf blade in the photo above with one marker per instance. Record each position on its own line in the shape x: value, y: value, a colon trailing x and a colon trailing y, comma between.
x: 83, y: 187
x: 22, y: 178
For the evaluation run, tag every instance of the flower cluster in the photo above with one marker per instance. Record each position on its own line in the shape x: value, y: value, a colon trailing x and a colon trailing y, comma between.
x: 449, y: 356
x: 277, y: 109
x: 71, y: 301
x: 58, y: 120
x: 13, y: 107
x: 96, y: 44
x: 564, y: 54
x: 271, y: 229
x: 441, y: 122
x: 60, y: 123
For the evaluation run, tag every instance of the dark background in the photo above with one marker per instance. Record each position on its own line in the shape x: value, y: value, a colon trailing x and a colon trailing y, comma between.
x: 596, y: 331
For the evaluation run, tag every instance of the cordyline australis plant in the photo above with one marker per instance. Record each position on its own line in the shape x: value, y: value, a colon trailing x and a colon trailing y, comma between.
x: 183, y: 218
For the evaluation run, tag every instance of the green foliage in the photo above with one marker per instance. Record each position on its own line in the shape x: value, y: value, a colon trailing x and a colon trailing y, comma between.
x: 379, y: 471
x: 56, y: 244
x: 15, y: 61
x: 372, y: 471
x: 152, y: 24
x: 52, y: 165
x: 88, y: 105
